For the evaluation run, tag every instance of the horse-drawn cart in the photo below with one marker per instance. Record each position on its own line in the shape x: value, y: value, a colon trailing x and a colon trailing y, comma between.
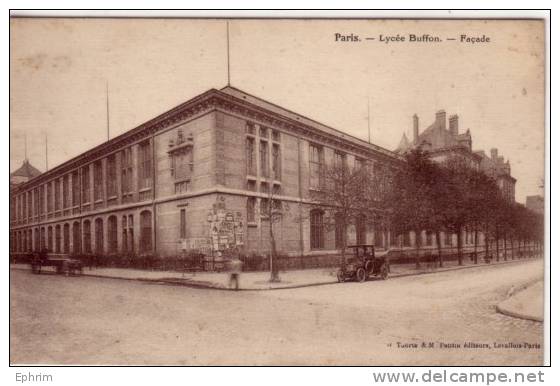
x: 62, y: 264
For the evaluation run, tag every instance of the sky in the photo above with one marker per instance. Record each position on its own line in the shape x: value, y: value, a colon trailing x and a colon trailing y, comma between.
x: 60, y: 70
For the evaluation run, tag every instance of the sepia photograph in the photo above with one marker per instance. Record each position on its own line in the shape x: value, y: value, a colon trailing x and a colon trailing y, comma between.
x: 277, y: 191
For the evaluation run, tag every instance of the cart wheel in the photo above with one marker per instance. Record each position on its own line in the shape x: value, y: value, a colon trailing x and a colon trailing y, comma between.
x: 340, y: 277
x: 361, y: 274
x: 384, y: 273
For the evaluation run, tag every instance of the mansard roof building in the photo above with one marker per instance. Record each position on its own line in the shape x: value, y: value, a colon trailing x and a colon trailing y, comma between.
x: 442, y: 141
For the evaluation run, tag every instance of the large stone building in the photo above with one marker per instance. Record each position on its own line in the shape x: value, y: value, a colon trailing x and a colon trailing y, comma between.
x: 192, y: 178
x: 199, y: 176
x: 443, y: 141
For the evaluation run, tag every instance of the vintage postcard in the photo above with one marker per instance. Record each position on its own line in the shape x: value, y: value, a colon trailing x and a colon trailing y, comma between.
x: 277, y: 191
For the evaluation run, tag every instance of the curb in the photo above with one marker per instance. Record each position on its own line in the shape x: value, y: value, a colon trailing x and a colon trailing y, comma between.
x: 516, y: 314
x: 207, y: 285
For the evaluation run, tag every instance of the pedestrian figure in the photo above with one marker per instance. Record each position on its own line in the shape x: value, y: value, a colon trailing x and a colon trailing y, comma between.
x: 235, y: 266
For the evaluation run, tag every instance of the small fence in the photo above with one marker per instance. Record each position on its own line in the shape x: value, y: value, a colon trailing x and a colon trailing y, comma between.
x: 251, y: 263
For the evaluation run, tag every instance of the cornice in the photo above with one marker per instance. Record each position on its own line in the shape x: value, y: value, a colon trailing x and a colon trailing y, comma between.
x: 203, y: 103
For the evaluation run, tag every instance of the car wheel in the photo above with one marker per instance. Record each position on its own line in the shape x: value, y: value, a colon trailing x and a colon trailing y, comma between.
x: 340, y: 277
x: 361, y: 274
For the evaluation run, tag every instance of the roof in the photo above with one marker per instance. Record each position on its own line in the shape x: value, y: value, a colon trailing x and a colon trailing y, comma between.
x: 404, y: 144
x: 26, y: 170
x: 240, y: 94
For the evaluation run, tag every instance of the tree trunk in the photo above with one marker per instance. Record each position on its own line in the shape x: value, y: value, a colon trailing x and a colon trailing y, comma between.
x: 417, y: 242
x: 497, y: 247
x: 343, y: 247
x: 274, y: 272
x: 486, y: 244
x: 438, y: 241
x: 475, y: 244
x: 505, y: 246
x: 460, y: 246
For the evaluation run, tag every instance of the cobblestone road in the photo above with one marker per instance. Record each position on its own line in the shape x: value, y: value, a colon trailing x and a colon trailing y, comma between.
x: 82, y: 320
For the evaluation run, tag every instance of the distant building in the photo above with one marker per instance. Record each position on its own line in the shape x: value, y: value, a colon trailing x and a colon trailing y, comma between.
x: 535, y: 203
x: 442, y: 142
x: 25, y: 172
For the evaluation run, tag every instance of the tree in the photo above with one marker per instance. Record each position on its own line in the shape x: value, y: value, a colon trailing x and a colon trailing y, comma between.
x: 273, y: 210
x: 413, y: 198
x: 340, y: 198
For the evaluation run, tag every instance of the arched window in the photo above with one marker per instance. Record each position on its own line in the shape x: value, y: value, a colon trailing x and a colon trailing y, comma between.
x: 50, y: 239
x: 131, y: 233
x: 87, y: 236
x: 57, y: 237
x: 124, y: 226
x: 112, y: 234
x: 36, y: 239
x: 66, y: 238
x: 146, y: 231
x: 76, y: 237
x: 317, y: 237
x: 99, y: 235
x: 43, y: 238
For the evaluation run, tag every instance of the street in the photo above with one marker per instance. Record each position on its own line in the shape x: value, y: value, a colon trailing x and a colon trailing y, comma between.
x: 83, y: 320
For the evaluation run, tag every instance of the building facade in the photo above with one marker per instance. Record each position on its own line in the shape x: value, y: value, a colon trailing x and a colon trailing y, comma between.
x: 442, y: 140
x: 199, y: 178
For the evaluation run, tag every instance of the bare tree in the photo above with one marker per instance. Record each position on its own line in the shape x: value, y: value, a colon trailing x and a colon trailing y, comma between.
x: 273, y: 210
x: 340, y: 197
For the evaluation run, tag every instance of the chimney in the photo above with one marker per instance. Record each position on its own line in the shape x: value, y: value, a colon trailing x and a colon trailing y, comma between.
x: 415, y: 127
x: 454, y: 124
x: 494, y: 153
x: 440, y: 119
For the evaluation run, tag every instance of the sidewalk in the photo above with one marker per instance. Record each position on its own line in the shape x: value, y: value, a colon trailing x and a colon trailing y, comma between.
x: 258, y: 280
x: 525, y: 304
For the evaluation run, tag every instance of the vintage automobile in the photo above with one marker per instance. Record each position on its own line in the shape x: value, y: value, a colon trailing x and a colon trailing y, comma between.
x: 63, y: 265
x: 362, y: 264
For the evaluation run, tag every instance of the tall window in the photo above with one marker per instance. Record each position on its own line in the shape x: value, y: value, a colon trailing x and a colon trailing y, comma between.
x: 145, y: 165
x: 49, y: 197
x: 315, y: 166
x: 338, y: 232
x: 57, y: 239
x: 111, y: 176
x: 339, y: 159
x: 406, y: 239
x: 124, y: 233
x: 250, y: 156
x: 316, y: 237
x: 57, y: 201
x: 66, y: 191
x: 126, y: 171
x: 263, y: 151
x: 42, y: 199
x: 378, y: 236
x: 98, y: 235
x: 86, y: 184
x: 66, y: 234
x: 360, y: 230
x: 276, y: 162
x: 76, y: 237
x: 87, y: 236
x: 359, y: 163
x: 131, y: 233
x: 75, y: 188
x: 429, y: 238
x: 112, y: 234
x: 36, y: 201
x: 448, y: 238
x: 183, y: 222
x: 97, y: 180
x: 250, y: 209
x: 146, y: 231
